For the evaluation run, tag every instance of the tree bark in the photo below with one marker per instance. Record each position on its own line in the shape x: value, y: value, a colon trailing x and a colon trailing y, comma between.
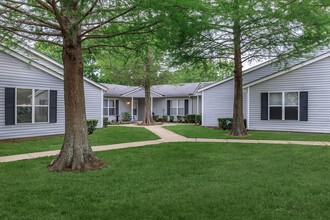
x: 148, y: 120
x: 76, y: 153
x: 147, y: 110
x: 238, y: 128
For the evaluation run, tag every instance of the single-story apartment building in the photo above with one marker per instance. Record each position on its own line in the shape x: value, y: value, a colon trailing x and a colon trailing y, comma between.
x: 174, y: 100
x: 32, y: 95
x: 292, y: 97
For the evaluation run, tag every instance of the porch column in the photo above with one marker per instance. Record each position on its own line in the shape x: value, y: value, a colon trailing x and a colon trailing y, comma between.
x: 197, y: 104
x: 151, y: 104
x: 132, y: 107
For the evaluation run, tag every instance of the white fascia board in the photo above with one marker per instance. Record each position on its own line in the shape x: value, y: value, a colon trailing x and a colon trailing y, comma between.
x: 298, y: 66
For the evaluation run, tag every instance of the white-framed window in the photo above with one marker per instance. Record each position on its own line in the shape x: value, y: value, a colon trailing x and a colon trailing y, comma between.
x: 284, y: 106
x: 109, y: 107
x: 32, y: 106
x: 177, y: 107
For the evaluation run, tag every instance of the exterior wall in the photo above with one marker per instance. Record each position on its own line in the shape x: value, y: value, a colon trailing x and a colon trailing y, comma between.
x: 160, y: 105
x: 219, y: 102
x: 15, y: 73
x: 315, y: 79
x: 94, y: 103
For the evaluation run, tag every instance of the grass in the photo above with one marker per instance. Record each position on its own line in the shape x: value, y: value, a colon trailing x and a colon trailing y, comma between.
x: 193, y: 131
x: 176, y: 181
x: 104, y: 136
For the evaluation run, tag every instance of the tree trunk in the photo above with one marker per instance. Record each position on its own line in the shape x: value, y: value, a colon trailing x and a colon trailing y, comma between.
x: 147, y: 110
x: 76, y: 153
x: 238, y: 128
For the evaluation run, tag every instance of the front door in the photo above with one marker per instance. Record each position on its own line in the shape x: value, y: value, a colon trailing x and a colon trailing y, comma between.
x: 135, y: 110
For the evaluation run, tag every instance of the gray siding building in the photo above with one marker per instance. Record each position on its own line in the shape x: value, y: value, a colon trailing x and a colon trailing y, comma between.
x: 32, y: 95
x: 295, y: 97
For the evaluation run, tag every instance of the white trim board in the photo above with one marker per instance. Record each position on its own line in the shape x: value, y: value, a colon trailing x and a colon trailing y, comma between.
x: 298, y: 66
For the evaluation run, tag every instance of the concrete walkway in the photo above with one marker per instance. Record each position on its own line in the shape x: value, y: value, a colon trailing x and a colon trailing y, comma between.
x: 166, y: 136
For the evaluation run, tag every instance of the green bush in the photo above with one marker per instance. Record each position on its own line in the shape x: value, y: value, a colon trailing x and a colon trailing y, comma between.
x: 181, y: 119
x: 91, y: 125
x: 165, y: 118
x: 105, y: 122
x: 191, y: 118
x: 171, y: 118
x: 225, y: 123
x: 155, y: 117
x: 198, y: 119
x: 126, y: 116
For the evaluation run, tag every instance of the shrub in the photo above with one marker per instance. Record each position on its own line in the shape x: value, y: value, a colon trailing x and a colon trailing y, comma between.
x: 171, y: 118
x: 125, y: 116
x: 165, y: 118
x: 155, y: 117
x: 227, y: 123
x: 91, y: 125
x: 181, y: 119
x: 198, y: 119
x: 191, y: 118
x: 105, y: 122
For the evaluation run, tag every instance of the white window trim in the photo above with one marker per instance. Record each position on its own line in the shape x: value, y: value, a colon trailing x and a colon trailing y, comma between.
x: 108, y: 107
x: 283, y: 105
x: 177, y: 106
x: 33, y: 106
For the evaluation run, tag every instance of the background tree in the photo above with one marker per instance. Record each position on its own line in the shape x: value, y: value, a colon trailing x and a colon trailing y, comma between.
x: 75, y: 26
x: 245, y: 31
x: 143, y: 67
x: 206, y: 71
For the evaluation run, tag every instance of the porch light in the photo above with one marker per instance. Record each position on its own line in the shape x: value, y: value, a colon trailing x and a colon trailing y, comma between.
x: 128, y: 102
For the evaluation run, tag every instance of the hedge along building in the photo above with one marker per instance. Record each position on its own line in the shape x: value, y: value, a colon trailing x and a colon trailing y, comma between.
x: 294, y: 97
x: 166, y: 100
x: 32, y: 95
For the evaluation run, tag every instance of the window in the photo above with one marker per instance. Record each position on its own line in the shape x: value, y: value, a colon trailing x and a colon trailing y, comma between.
x: 109, y: 107
x: 275, y: 106
x: 181, y: 107
x: 177, y: 107
x: 284, y: 106
x: 174, y: 106
x: 32, y: 106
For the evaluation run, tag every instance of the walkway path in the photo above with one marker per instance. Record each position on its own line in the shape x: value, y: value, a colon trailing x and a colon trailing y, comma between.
x: 166, y: 136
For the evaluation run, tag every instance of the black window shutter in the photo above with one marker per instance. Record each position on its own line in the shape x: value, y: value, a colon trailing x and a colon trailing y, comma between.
x: 303, y: 106
x: 53, y: 106
x: 186, y: 107
x: 117, y: 107
x: 264, y: 106
x: 168, y: 107
x: 9, y: 106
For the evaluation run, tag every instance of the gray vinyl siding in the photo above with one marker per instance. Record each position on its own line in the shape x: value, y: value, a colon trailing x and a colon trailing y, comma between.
x: 315, y: 79
x: 18, y: 74
x: 219, y: 102
x: 15, y: 73
x: 94, y: 103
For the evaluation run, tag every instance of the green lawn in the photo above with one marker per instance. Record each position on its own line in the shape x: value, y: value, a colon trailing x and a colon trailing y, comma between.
x: 193, y: 131
x: 104, y: 136
x: 176, y: 181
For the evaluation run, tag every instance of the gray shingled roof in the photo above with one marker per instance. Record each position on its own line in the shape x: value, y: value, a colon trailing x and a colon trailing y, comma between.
x: 118, y: 90
x: 184, y: 89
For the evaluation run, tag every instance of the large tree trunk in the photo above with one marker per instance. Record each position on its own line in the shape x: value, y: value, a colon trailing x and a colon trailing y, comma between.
x: 147, y: 110
x: 76, y: 153
x: 238, y: 128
